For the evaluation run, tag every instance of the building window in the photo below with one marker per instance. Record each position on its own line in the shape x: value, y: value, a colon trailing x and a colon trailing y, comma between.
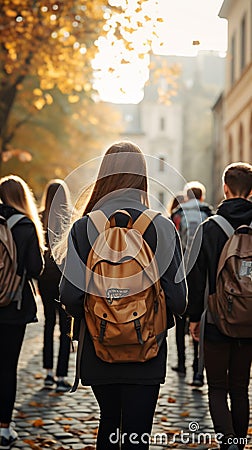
x: 161, y: 164
x: 232, y: 60
x: 162, y: 123
x: 230, y: 148
x: 241, y: 143
x: 243, y: 43
x: 161, y: 197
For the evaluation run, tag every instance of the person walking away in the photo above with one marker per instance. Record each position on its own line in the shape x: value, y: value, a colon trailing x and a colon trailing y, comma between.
x: 125, y: 379
x: 55, y: 210
x: 227, y: 359
x: 17, y: 198
x: 187, y: 218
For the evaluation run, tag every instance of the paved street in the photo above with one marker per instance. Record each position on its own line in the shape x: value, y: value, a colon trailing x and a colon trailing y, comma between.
x: 45, y: 419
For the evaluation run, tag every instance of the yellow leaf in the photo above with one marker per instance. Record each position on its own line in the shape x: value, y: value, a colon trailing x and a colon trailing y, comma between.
x: 123, y: 61
x: 11, y: 13
x: 73, y: 98
x: 147, y: 18
x: 40, y: 103
x: 49, y: 99
x: 159, y: 19
x: 37, y: 92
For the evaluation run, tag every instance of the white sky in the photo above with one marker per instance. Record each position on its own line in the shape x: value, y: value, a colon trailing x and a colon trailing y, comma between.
x: 185, y: 21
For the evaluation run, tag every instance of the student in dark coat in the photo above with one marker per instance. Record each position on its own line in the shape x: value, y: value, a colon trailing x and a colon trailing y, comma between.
x: 227, y: 359
x: 127, y: 393
x: 17, y: 198
x: 55, y: 209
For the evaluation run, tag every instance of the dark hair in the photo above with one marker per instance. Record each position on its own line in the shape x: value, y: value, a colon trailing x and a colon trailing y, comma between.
x: 123, y: 167
x: 175, y: 202
x: 195, y: 189
x: 238, y: 178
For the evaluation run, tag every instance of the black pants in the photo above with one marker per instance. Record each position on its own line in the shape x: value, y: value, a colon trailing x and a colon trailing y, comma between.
x: 126, y: 415
x: 180, y: 343
x: 11, y: 339
x: 228, y: 372
x: 49, y: 292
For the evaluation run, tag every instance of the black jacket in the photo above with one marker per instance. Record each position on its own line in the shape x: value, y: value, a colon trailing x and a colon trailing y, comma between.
x: 28, y: 257
x: 162, y: 237
x: 205, y: 254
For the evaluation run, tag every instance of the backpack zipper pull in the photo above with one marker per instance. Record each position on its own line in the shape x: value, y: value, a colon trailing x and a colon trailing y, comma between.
x: 138, y: 331
x: 230, y: 304
x: 102, y: 330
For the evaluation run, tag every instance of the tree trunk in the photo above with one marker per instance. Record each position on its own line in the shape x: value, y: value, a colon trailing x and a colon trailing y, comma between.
x: 7, y: 99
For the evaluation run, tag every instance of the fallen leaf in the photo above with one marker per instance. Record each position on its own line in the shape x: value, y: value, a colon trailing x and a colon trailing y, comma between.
x: 21, y: 415
x: 171, y: 400
x: 36, y: 404
x: 185, y: 414
x: 37, y: 423
x: 38, y: 376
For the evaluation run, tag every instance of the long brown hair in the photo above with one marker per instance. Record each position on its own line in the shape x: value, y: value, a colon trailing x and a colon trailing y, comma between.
x: 123, y: 167
x: 15, y: 192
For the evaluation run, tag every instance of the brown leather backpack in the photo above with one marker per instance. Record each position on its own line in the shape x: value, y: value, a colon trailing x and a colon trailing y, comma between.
x: 11, y: 284
x: 125, y: 307
x: 231, y: 306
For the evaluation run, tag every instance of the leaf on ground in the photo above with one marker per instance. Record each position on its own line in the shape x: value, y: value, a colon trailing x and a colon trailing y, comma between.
x: 32, y: 444
x: 173, y: 431
x: 36, y: 404
x: 171, y: 400
x: 38, y: 423
x: 185, y: 414
x: 21, y: 415
x: 38, y: 376
x: 163, y: 419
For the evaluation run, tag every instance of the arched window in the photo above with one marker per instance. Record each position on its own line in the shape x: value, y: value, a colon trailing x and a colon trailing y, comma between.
x: 241, y: 143
x: 230, y: 148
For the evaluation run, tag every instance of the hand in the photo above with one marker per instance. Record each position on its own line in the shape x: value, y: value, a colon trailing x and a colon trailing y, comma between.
x: 195, y: 330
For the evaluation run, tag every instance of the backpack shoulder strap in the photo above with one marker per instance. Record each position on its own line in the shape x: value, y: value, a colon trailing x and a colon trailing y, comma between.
x: 143, y: 221
x: 99, y: 220
x: 223, y: 223
x: 14, y: 219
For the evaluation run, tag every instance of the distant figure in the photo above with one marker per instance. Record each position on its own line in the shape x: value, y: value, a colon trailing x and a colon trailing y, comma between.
x: 57, y: 211
x: 17, y: 199
x: 175, y: 203
x: 187, y: 219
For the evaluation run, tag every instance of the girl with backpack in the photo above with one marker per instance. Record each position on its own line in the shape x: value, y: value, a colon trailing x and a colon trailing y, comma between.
x: 17, y: 198
x: 125, y: 384
x: 55, y: 208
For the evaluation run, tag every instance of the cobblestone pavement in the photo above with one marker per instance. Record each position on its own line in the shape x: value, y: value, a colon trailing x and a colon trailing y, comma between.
x: 44, y: 419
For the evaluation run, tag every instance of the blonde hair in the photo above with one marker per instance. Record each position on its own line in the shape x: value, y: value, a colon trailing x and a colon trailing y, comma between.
x: 15, y: 192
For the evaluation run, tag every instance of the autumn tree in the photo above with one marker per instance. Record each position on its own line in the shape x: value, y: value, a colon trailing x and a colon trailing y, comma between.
x: 54, y: 42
